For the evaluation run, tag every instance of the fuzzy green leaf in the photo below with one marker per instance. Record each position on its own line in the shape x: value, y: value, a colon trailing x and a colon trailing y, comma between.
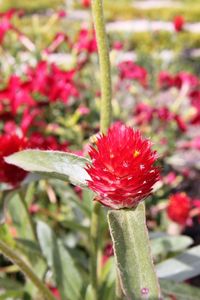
x: 54, y: 164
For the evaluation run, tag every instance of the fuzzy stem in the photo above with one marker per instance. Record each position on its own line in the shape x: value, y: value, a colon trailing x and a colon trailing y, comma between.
x: 13, y: 256
x: 132, y: 253
x: 105, y: 120
x: 104, y: 62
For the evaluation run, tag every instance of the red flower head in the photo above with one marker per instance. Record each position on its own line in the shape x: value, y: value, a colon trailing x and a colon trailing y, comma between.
x: 179, y: 23
x: 10, y: 144
x: 122, y: 171
x: 179, y: 208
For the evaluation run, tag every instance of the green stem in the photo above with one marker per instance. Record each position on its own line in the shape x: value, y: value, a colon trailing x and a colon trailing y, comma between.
x: 105, y: 120
x: 13, y: 256
x: 94, y: 248
x: 132, y: 253
x: 104, y: 62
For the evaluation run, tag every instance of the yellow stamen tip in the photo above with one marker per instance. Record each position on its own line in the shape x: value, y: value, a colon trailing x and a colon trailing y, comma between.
x: 136, y: 153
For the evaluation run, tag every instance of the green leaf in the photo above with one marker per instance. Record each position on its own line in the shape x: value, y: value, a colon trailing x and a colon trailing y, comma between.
x: 132, y: 252
x: 67, y: 278
x: 20, y: 217
x: 30, y: 246
x: 87, y: 200
x: 89, y: 295
x: 6, y: 195
x: 182, y: 267
x: 108, y: 280
x: 55, y: 164
x: 164, y: 245
x: 180, y: 290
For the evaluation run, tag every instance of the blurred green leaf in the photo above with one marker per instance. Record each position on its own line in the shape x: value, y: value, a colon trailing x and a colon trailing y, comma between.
x: 87, y: 200
x: 181, y: 291
x: 19, y: 217
x: 73, y: 225
x: 12, y: 295
x: 89, y: 293
x: 182, y: 267
x: 68, y: 280
x: 30, y: 246
x: 164, y: 245
x: 55, y: 164
x: 108, y: 279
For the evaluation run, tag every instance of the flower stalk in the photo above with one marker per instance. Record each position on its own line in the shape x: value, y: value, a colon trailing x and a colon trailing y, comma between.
x: 104, y: 63
x: 16, y: 259
x: 132, y: 253
x: 105, y: 120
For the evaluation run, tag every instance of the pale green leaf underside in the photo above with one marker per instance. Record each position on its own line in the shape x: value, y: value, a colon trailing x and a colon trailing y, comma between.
x: 54, y: 164
x: 182, y: 267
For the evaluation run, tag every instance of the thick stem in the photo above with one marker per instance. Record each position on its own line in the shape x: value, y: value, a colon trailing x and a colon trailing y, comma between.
x: 132, y: 253
x: 104, y: 62
x: 105, y: 120
x: 13, y: 256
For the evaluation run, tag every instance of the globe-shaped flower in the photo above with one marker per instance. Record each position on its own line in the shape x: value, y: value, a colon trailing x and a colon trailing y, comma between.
x: 179, y: 208
x: 122, y: 170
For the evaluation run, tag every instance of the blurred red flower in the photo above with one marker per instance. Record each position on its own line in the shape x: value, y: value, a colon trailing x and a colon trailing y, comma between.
x: 165, y: 80
x: 179, y: 208
x: 122, y: 172
x: 86, y: 41
x: 129, y: 70
x: 179, y: 23
x: 16, y: 95
x: 5, y: 23
x: 55, y: 292
x: 62, y: 13
x: 10, y: 144
x: 107, y: 253
x: 117, y: 45
x: 185, y: 78
x: 52, y: 82
x: 38, y: 141
x: 86, y: 3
